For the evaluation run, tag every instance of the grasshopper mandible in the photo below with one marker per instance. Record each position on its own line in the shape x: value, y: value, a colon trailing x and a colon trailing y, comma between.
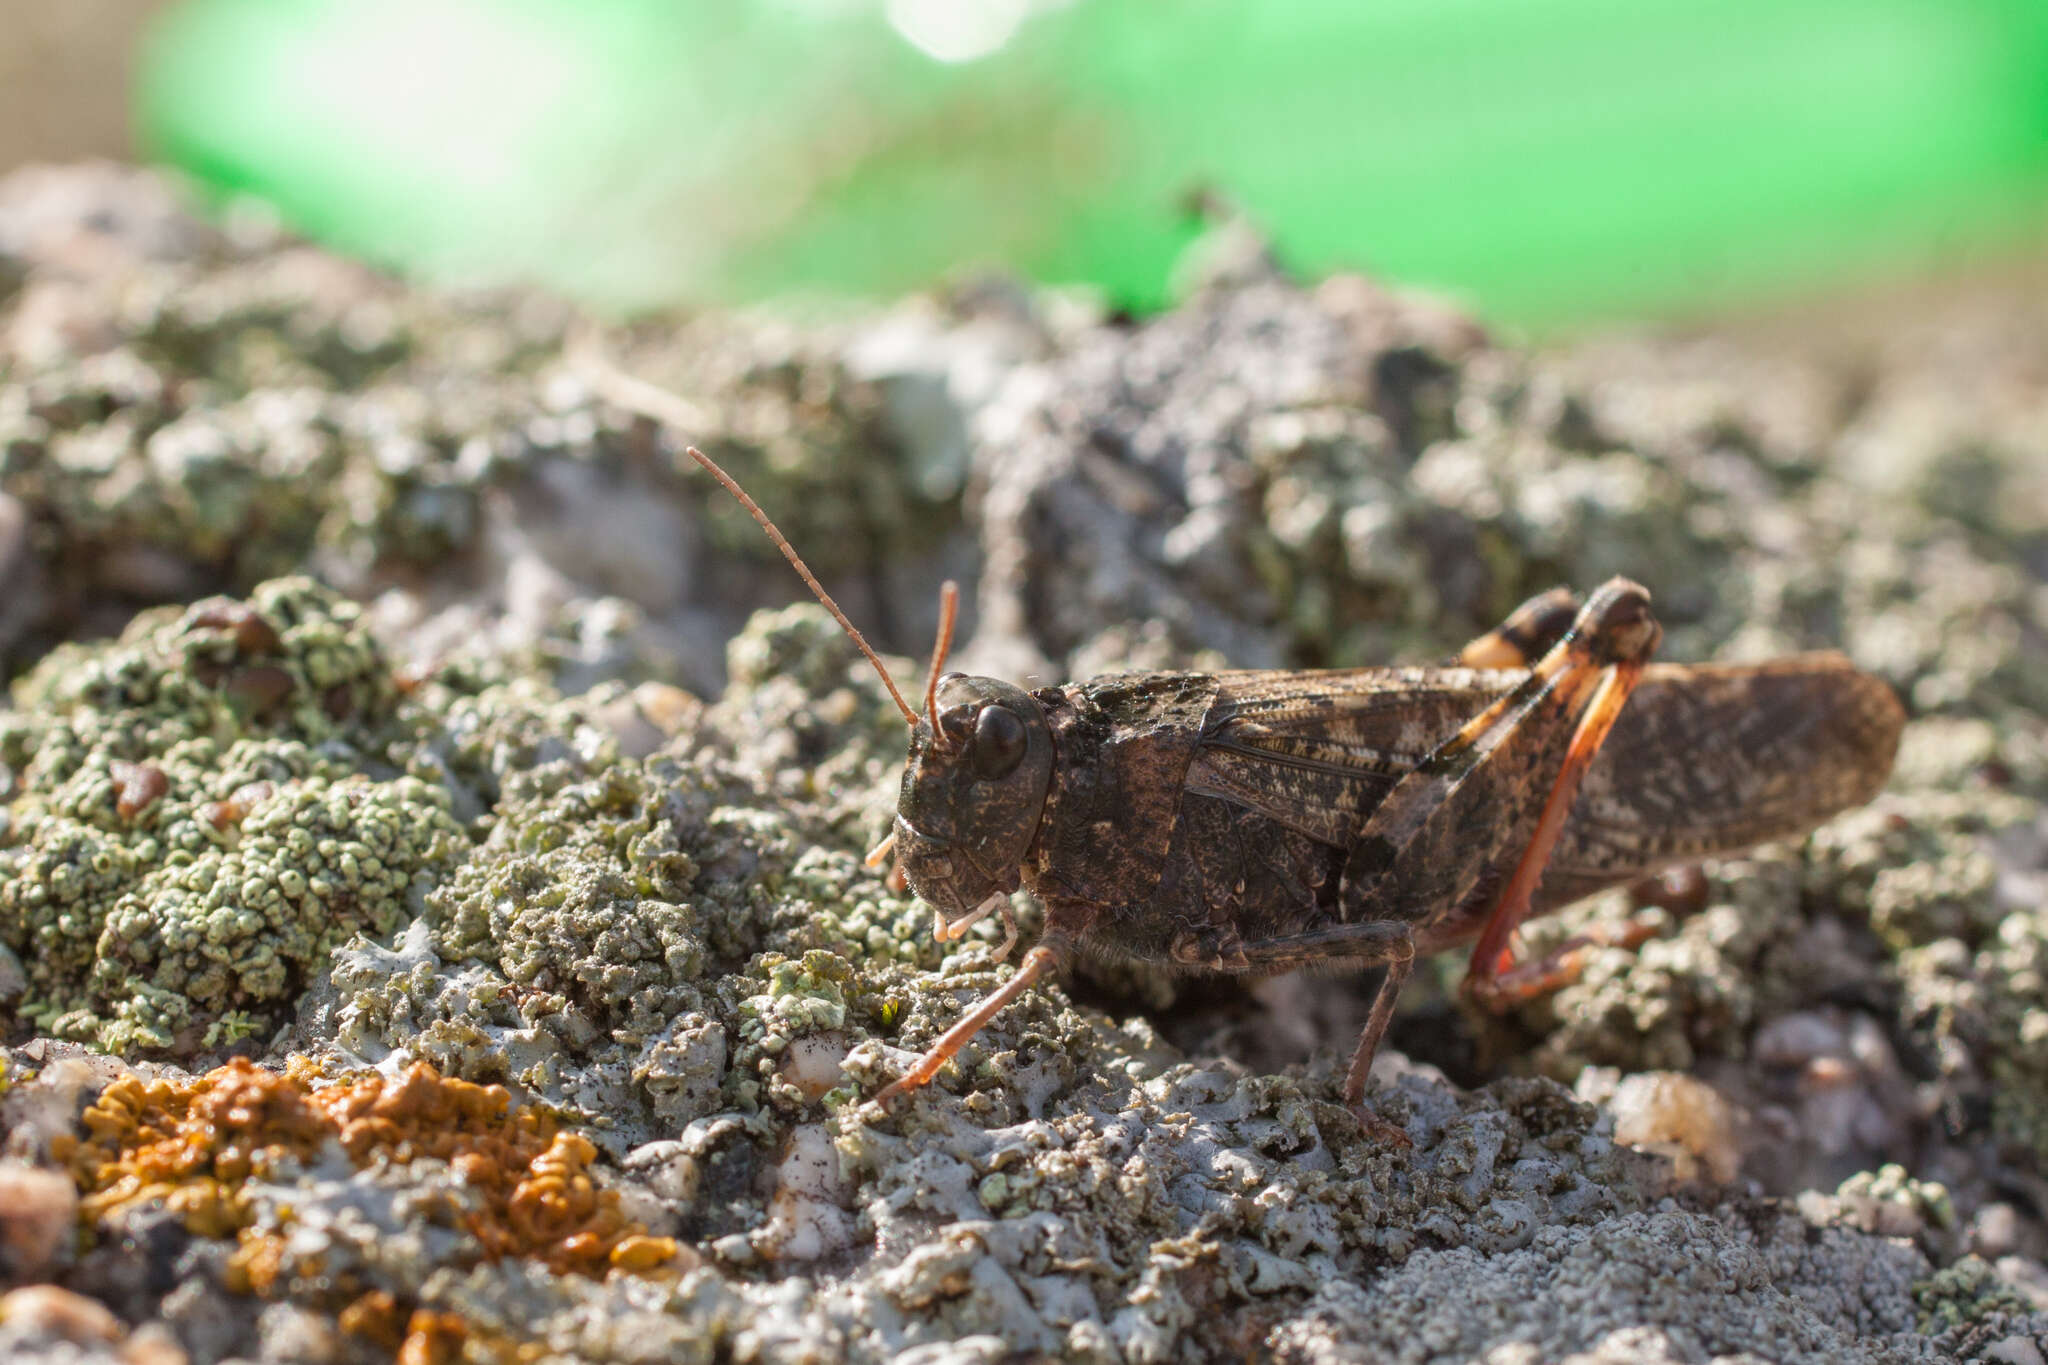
x: 1256, y: 822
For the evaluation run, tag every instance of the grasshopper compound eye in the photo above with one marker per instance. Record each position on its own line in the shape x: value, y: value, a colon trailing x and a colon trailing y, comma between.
x: 999, y: 742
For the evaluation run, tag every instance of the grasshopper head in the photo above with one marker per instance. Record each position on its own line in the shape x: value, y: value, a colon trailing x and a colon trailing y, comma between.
x: 980, y: 756
x: 973, y: 790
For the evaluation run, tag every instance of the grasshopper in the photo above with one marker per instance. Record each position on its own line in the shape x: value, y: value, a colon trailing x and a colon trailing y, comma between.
x: 1256, y: 822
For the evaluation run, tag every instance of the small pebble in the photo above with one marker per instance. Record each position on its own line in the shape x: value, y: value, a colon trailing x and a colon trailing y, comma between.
x: 38, y: 1210
x: 806, y: 1217
x: 137, y: 787
x: 1995, y: 1231
x: 1682, y: 1117
x: 2015, y: 1350
x: 44, y: 1310
x: 2028, y: 1276
x: 815, y: 1063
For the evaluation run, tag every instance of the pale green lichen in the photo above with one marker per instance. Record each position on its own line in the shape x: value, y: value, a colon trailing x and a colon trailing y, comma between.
x: 1964, y: 1295
x: 852, y: 913
x: 581, y: 899
x: 314, y: 863
x: 801, y: 997
x: 205, y: 809
x: 1906, y: 1200
x: 614, y: 900
x: 2006, y: 1017
x: 1923, y: 868
x: 804, y: 712
x: 1695, y: 987
x: 1969, y: 952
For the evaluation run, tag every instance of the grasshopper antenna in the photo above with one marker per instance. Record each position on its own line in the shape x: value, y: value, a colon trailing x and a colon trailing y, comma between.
x: 658, y: 404
x: 810, y: 580
x: 949, y: 609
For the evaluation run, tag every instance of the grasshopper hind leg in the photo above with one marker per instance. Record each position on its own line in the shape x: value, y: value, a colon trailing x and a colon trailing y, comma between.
x: 1494, y: 980
x: 1498, y: 761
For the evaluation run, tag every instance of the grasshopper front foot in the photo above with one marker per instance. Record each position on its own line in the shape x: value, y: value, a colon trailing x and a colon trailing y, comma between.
x: 1512, y: 984
x: 1380, y: 1130
x: 1036, y: 964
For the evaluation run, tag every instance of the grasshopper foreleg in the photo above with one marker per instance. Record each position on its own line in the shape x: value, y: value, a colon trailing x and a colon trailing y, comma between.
x: 1036, y: 964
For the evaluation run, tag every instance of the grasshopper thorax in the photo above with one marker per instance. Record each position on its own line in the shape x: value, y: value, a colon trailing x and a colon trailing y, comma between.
x: 973, y: 791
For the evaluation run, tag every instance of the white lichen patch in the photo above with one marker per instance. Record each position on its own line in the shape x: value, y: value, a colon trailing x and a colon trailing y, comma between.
x: 1681, y: 1117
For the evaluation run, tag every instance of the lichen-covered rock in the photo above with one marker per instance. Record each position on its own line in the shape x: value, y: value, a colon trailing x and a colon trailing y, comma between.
x: 205, y: 809
x: 349, y: 842
x: 201, y: 812
x: 189, y: 411
x: 615, y: 897
x: 1768, y: 1289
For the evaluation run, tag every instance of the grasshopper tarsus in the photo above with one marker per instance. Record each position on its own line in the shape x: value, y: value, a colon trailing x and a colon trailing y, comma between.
x: 1258, y: 821
x: 1517, y: 984
x: 1382, y: 1130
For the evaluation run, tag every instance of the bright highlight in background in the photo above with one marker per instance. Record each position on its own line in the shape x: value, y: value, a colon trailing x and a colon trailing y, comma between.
x: 956, y: 30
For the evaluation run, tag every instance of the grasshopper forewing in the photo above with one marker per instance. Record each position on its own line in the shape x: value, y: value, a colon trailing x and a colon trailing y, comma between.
x: 1257, y: 822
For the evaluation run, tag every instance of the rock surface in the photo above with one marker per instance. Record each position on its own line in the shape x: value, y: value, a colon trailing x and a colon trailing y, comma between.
x: 566, y: 987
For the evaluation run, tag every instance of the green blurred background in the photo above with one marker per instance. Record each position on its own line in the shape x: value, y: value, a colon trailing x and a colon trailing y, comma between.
x: 1552, y: 162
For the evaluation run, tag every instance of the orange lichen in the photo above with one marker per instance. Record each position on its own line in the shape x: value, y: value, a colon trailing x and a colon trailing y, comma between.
x: 374, y: 1317
x: 190, y: 1146
x: 426, y: 1336
x: 639, y: 1253
x: 259, y: 1263
x: 432, y: 1338
x: 526, y: 1186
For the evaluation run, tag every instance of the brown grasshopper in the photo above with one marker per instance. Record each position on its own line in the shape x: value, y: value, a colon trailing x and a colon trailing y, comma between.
x: 1258, y: 822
